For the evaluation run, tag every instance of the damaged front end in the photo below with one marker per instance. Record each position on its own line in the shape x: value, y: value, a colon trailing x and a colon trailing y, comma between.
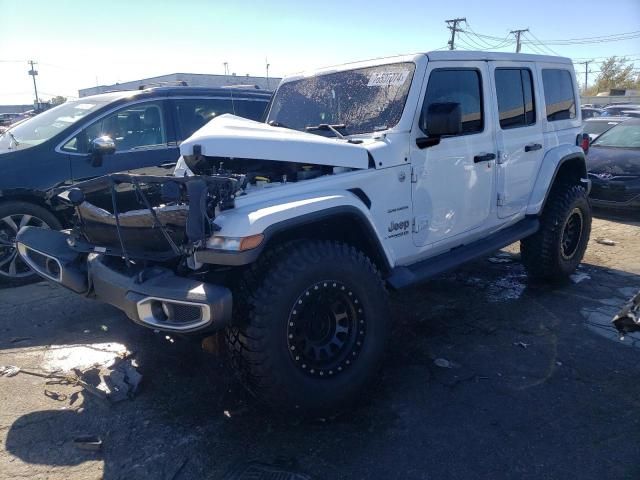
x: 140, y: 260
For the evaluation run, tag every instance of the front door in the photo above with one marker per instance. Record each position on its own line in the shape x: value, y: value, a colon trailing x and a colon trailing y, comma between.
x: 453, y: 182
x: 519, y: 135
x: 145, y: 143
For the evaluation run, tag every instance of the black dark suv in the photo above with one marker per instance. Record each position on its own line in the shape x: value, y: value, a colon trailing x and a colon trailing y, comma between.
x: 93, y: 136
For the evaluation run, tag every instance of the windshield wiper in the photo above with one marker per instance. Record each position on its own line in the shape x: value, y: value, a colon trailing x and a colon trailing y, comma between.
x: 8, y: 132
x: 275, y: 123
x: 326, y: 126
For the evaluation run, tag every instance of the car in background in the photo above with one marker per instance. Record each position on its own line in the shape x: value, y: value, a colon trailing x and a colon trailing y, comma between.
x: 631, y: 113
x: 7, y: 119
x: 135, y: 131
x: 594, y: 127
x: 590, y: 112
x: 617, y: 109
x: 613, y: 162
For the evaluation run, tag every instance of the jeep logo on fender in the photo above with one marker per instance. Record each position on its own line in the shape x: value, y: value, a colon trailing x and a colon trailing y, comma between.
x: 399, y: 226
x: 398, y: 229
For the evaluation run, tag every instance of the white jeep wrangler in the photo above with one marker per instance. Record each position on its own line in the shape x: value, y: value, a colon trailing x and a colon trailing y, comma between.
x: 375, y: 175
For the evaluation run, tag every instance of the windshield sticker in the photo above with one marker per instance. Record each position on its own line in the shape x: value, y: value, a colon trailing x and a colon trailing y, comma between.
x: 85, y: 106
x: 385, y: 79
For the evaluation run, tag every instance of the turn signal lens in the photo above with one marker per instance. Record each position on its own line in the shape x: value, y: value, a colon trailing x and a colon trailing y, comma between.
x: 235, y: 244
x: 247, y: 243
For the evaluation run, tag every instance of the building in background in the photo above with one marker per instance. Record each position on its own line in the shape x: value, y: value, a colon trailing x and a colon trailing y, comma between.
x: 15, y: 108
x: 191, y: 79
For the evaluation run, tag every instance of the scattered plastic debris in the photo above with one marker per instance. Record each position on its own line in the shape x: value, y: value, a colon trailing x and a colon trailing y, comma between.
x: 627, y: 320
x: 579, y: 277
x: 9, y: 370
x: 88, y: 442
x: 118, y: 382
x: 444, y: 363
x: 104, y: 328
x: 521, y: 344
x: 605, y: 241
x: 500, y: 259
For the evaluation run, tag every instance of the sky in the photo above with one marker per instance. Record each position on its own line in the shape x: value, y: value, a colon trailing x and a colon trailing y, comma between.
x: 79, y: 44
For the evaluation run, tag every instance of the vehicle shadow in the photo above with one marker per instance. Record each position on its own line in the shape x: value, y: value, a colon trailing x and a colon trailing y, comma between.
x: 619, y: 216
x: 504, y: 340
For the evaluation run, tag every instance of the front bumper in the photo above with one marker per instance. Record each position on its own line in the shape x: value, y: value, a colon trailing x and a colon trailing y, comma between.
x: 619, y: 192
x: 153, y: 297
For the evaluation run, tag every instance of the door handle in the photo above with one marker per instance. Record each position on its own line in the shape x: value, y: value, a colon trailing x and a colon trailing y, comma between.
x: 532, y: 147
x: 485, y: 157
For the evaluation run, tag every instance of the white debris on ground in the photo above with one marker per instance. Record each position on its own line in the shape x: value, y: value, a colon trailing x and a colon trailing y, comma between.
x: 605, y: 241
x: 579, y: 277
x: 68, y: 357
x: 598, y: 320
x: 509, y: 287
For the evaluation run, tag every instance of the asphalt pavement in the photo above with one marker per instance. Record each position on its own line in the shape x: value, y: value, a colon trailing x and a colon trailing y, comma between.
x: 487, y: 376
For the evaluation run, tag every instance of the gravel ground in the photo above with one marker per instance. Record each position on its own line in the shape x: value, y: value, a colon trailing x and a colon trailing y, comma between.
x: 536, y: 385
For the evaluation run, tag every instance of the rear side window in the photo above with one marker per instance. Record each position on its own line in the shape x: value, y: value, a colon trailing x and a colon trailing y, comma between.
x: 514, y: 88
x: 251, y: 109
x: 458, y: 86
x: 195, y: 113
x: 558, y: 94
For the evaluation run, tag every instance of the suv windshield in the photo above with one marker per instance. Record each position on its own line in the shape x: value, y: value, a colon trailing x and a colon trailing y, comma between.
x: 364, y: 100
x: 47, y: 124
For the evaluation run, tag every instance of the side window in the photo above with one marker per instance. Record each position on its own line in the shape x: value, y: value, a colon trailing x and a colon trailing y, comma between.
x: 514, y: 90
x: 251, y: 109
x: 137, y: 126
x: 558, y: 94
x: 193, y: 113
x: 461, y: 86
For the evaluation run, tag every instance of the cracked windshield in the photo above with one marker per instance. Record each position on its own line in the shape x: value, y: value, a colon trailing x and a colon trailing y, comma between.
x: 357, y: 101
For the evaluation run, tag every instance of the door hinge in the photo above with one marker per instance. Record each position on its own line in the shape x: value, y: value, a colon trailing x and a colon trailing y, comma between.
x: 414, y: 176
x: 501, y: 158
x: 420, y: 223
x: 501, y: 199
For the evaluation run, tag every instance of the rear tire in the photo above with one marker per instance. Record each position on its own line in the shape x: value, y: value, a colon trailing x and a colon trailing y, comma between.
x: 311, y: 327
x: 13, y: 216
x: 557, y: 248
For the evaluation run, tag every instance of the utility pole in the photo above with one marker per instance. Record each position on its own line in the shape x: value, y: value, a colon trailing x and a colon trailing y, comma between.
x: 453, y: 26
x: 33, y: 72
x: 266, y: 60
x: 517, y: 33
x: 586, y: 72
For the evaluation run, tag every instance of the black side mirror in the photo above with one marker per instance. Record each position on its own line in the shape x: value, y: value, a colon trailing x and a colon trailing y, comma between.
x: 99, y: 147
x: 440, y: 120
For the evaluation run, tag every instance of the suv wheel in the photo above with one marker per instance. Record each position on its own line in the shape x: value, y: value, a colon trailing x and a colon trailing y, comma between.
x: 317, y: 321
x: 556, y: 250
x: 13, y: 216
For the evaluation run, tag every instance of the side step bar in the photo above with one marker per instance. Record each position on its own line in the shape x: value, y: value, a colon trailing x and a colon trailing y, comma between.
x: 405, y: 276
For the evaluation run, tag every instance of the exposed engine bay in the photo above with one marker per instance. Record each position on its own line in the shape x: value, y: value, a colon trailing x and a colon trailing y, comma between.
x: 253, y: 172
x: 173, y: 216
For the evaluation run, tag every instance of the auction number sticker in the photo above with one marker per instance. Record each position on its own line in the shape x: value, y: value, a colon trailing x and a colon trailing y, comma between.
x: 385, y: 79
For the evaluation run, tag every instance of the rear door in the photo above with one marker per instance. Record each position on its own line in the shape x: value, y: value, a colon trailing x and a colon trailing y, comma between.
x: 519, y: 134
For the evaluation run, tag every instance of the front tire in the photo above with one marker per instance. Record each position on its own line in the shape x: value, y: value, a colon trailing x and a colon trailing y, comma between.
x: 557, y: 248
x: 13, y: 216
x: 316, y: 326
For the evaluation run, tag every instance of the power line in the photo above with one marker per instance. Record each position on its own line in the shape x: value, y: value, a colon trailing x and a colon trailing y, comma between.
x: 453, y: 26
